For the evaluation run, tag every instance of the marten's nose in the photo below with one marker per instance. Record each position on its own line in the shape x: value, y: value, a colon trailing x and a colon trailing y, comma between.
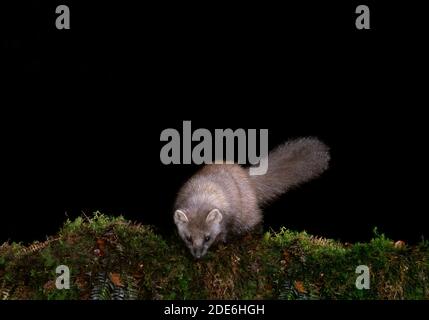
x: 198, y: 253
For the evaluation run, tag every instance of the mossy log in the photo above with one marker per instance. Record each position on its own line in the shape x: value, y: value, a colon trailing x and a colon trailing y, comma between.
x: 112, y: 258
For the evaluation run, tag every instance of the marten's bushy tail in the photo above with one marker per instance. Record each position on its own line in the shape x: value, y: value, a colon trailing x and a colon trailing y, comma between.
x: 290, y: 164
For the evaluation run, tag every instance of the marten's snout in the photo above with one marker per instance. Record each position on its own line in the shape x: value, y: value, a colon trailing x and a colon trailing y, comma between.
x: 198, y: 248
x: 198, y: 252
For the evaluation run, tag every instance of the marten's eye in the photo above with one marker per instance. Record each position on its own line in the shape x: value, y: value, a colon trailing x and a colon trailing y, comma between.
x: 206, y: 238
x: 189, y: 238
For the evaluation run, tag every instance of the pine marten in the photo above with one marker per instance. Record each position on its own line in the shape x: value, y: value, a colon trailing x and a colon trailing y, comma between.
x: 221, y: 200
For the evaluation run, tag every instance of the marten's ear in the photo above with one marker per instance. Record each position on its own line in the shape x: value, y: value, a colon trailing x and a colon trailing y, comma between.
x: 214, y: 217
x: 180, y: 217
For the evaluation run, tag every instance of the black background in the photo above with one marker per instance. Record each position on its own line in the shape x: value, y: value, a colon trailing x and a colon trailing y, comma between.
x: 83, y: 109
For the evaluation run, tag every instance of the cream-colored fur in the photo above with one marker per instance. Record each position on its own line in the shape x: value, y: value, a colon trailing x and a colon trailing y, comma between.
x: 223, y: 199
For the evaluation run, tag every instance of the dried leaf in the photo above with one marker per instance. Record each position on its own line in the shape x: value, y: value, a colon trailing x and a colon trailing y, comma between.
x: 101, y: 246
x: 49, y: 286
x: 299, y: 286
x: 116, y: 279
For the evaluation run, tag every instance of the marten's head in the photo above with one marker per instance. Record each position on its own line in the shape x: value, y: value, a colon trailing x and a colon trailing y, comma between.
x: 198, y: 231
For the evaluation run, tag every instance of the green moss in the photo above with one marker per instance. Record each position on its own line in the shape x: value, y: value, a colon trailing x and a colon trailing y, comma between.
x: 112, y: 258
